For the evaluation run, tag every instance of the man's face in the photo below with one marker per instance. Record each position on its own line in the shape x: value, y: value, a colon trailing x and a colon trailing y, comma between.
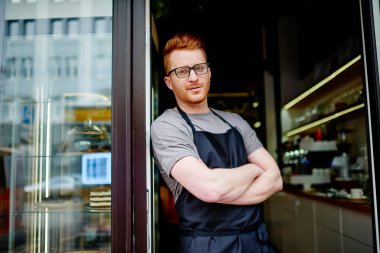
x: 193, y: 89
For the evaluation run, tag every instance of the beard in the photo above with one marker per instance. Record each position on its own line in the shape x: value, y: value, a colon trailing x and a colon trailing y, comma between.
x: 195, y: 94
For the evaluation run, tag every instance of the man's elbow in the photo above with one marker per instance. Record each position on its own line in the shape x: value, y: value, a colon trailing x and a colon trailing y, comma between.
x: 212, y: 194
x: 210, y: 197
x: 278, y: 185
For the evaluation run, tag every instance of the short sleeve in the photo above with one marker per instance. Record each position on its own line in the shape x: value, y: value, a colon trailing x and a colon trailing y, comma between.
x: 171, y: 141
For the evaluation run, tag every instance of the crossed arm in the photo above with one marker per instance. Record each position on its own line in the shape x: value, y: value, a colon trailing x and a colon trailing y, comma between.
x: 249, y: 184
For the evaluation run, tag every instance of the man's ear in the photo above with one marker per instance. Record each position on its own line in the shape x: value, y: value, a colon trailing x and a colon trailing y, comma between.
x: 168, y: 82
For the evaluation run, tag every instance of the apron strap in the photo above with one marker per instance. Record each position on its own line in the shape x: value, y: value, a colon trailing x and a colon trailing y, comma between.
x: 220, y: 117
x: 186, y: 118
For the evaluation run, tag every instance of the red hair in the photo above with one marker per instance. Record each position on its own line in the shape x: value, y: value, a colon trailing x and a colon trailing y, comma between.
x: 182, y: 41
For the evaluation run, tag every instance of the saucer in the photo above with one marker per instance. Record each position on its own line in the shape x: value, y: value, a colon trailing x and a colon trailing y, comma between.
x: 360, y: 198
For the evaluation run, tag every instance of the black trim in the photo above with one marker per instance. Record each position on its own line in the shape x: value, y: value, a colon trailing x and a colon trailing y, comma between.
x: 122, y: 200
x: 373, y: 103
x: 129, y: 196
x: 139, y: 125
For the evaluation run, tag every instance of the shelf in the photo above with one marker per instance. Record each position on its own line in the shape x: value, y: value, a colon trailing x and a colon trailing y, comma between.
x: 68, y: 154
x: 71, y: 212
x: 62, y: 208
x: 324, y: 120
x: 231, y: 94
x: 7, y: 150
x: 342, y: 76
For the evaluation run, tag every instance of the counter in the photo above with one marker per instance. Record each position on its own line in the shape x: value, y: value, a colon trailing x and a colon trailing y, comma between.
x: 360, y: 205
x: 306, y: 221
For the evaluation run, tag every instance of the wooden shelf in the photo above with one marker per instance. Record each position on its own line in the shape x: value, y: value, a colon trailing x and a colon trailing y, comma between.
x: 342, y: 77
x: 336, y: 116
x: 231, y: 94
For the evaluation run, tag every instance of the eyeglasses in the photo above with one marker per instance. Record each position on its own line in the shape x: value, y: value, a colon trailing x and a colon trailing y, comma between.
x: 184, y: 71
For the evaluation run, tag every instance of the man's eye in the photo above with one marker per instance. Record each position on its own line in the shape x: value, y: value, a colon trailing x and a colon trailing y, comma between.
x: 199, y: 68
x: 182, y: 71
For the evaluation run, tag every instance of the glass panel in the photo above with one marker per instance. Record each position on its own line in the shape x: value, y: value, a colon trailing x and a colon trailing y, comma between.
x: 55, y: 126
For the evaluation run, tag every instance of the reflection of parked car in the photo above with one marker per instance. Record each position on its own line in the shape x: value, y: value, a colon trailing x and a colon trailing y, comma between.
x: 63, y: 184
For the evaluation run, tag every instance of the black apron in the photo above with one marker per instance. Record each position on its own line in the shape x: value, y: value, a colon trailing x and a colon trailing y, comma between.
x: 219, y: 228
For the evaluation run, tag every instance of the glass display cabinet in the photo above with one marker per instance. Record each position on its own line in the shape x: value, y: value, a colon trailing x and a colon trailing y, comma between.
x: 55, y: 126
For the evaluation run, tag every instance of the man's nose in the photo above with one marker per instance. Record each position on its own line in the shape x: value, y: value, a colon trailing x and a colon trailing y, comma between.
x: 193, y: 75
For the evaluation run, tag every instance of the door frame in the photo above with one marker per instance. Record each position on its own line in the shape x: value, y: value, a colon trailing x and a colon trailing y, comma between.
x: 370, y: 17
x: 129, y: 179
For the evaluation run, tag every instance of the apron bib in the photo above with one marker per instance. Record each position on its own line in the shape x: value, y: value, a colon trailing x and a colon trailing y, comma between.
x: 219, y: 228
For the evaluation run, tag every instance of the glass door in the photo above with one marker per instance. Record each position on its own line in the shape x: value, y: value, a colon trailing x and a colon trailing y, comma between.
x: 370, y: 15
x: 55, y: 126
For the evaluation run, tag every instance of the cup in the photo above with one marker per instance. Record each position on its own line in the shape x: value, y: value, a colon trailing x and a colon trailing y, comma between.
x: 356, y: 193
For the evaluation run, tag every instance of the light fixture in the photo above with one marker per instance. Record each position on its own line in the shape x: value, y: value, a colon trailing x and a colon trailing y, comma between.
x: 257, y: 124
x: 320, y: 84
x: 255, y: 104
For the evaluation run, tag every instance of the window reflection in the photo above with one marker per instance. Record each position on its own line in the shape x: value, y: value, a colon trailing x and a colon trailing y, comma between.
x: 72, y: 26
x: 29, y: 28
x: 100, y: 25
x: 57, y: 26
x: 55, y: 127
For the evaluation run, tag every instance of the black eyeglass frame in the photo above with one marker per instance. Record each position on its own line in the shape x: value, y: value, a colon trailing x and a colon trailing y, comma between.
x: 191, y: 68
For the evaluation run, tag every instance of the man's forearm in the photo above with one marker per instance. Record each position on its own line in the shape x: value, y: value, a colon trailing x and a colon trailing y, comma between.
x: 214, y: 185
x: 261, y: 189
x: 232, y: 183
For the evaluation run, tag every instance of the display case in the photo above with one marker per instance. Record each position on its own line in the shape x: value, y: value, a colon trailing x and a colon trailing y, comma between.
x: 326, y: 124
x: 55, y: 143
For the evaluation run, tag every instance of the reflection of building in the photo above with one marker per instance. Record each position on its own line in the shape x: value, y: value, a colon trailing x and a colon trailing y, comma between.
x: 50, y: 52
x: 76, y: 60
x: 56, y: 109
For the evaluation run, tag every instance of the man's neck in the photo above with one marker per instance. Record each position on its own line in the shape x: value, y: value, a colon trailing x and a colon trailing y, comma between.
x: 194, y: 108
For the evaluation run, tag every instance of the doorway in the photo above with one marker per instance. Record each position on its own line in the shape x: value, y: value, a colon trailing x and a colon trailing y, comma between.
x: 262, y: 53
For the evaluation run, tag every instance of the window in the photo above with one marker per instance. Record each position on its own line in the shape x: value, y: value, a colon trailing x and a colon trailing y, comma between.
x: 73, y: 26
x: 29, y: 28
x: 57, y: 26
x: 13, y: 28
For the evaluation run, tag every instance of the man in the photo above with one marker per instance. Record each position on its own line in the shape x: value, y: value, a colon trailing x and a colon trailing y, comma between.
x: 211, y: 160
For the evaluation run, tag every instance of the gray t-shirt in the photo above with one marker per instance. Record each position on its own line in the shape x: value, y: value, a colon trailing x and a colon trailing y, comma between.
x: 172, y: 138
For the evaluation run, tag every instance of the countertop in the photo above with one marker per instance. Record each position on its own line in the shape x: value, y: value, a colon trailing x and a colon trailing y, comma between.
x: 360, y: 205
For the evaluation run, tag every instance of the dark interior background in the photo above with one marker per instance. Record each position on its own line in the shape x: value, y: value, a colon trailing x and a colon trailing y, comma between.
x: 232, y: 31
